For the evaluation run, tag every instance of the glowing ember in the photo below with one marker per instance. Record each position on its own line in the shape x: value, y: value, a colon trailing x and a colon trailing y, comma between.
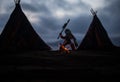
x: 63, y: 49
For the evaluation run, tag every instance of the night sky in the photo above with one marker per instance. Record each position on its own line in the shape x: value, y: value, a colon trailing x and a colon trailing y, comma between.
x: 48, y: 16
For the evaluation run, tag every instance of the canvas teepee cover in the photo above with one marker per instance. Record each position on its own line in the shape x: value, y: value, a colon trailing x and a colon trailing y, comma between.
x: 96, y: 37
x: 19, y: 34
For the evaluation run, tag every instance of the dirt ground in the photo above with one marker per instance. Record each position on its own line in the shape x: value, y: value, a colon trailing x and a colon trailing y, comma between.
x: 42, y: 65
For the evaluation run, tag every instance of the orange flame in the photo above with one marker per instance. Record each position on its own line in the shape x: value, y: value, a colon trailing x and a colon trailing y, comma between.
x: 63, y: 49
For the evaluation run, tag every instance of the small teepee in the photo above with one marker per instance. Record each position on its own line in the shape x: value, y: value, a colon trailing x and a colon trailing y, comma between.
x: 19, y: 35
x: 96, y: 37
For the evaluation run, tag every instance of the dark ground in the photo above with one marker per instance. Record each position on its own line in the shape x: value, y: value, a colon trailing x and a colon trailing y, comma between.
x: 42, y: 65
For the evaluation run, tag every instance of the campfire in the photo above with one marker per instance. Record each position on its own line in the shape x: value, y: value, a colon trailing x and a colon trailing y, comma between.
x: 63, y: 49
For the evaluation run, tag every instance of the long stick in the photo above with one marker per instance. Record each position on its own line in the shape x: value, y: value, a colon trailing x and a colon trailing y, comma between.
x: 64, y: 26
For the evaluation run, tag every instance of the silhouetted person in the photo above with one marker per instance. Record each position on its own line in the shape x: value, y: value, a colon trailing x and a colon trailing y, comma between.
x: 69, y: 39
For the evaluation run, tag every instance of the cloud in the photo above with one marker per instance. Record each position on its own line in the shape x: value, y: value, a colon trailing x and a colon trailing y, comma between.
x: 48, y: 16
x: 3, y: 21
x: 96, y: 4
x: 110, y: 17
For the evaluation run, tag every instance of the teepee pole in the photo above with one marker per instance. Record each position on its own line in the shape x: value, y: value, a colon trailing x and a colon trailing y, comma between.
x: 93, y: 12
x: 17, y: 1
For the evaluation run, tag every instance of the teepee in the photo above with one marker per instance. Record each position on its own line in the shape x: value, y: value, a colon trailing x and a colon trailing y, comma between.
x: 19, y: 35
x: 96, y: 37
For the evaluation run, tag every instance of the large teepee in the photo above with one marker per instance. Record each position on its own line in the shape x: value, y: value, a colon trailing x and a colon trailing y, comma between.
x: 19, y: 35
x: 96, y: 37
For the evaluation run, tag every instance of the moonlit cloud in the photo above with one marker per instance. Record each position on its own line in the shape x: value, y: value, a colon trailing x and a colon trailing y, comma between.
x: 33, y: 17
x: 48, y: 16
x: 96, y: 4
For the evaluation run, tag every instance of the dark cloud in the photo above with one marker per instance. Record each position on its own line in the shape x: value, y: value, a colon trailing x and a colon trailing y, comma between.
x: 111, y: 17
x: 3, y: 21
x: 80, y: 24
x: 35, y: 8
x: 69, y: 6
x: 29, y: 7
x: 49, y: 24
